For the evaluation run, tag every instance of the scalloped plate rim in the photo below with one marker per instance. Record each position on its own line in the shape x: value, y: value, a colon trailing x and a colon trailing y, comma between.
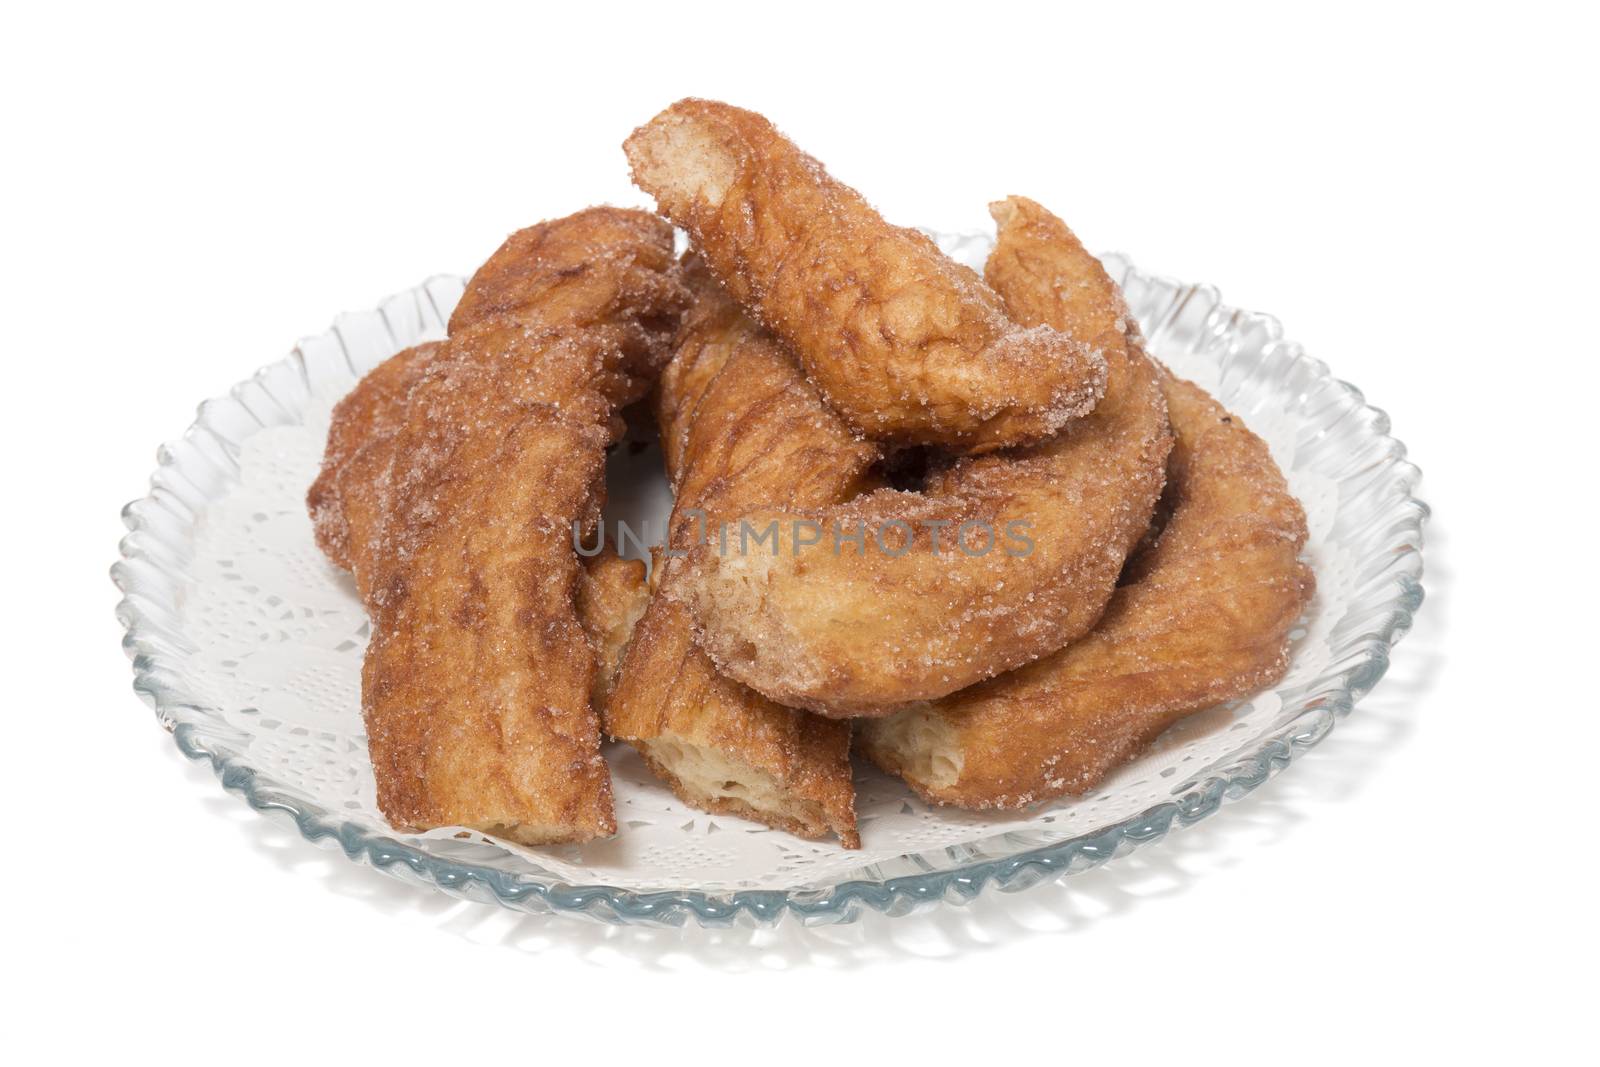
x: 842, y: 901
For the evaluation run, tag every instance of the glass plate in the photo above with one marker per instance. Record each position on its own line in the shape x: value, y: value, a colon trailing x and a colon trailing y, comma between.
x: 248, y: 645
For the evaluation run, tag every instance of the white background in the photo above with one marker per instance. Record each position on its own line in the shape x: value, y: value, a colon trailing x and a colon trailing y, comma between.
x: 1412, y: 192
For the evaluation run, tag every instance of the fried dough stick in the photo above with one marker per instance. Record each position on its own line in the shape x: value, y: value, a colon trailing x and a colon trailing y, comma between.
x: 1204, y: 617
x: 612, y: 596
x: 457, y: 522
x: 909, y: 346
x: 739, y: 423
x: 998, y: 560
x: 359, y: 448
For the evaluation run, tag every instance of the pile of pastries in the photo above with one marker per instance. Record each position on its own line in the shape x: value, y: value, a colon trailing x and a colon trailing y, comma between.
x: 964, y: 527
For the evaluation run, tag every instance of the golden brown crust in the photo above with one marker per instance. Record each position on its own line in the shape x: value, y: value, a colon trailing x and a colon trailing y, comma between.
x: 476, y: 685
x: 910, y: 347
x: 741, y: 424
x: 366, y: 417
x: 669, y: 694
x: 1205, y: 618
x: 612, y: 595
x: 860, y: 631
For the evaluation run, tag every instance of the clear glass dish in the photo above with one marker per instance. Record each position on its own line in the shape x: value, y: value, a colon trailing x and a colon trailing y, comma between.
x: 248, y: 645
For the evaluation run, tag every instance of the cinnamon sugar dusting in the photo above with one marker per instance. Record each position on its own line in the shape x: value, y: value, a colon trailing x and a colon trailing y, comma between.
x: 454, y: 511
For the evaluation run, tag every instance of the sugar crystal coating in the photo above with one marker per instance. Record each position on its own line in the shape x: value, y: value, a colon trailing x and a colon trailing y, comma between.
x: 1011, y: 554
x: 1203, y: 614
x: 739, y: 422
x: 907, y: 345
x: 454, y: 508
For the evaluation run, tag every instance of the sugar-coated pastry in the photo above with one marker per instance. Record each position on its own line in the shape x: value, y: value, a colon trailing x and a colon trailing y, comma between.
x: 739, y: 423
x: 456, y: 515
x: 909, y: 346
x: 896, y: 597
x: 1204, y: 614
